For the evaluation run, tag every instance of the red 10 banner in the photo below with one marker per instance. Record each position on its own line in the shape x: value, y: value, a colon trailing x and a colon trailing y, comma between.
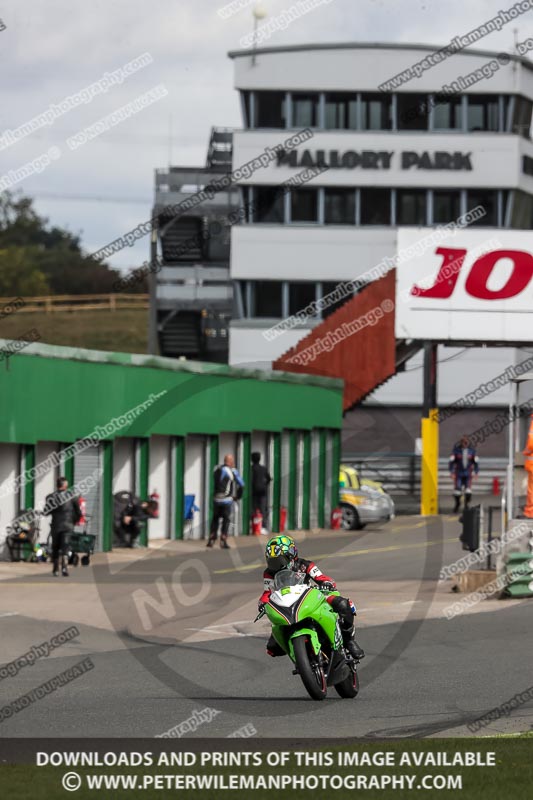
x: 475, y: 286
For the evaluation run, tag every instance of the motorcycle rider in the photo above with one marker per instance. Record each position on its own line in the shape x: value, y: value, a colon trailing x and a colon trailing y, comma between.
x: 463, y: 465
x: 281, y: 553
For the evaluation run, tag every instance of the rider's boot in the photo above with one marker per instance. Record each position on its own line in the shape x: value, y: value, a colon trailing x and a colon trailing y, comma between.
x: 349, y: 643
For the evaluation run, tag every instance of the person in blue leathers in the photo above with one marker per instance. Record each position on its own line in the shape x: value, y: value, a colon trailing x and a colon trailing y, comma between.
x: 463, y: 465
x: 228, y: 488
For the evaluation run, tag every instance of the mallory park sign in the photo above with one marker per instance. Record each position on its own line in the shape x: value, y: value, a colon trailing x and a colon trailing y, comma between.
x: 375, y: 159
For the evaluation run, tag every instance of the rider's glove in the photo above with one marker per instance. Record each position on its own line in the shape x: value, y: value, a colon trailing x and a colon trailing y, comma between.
x: 260, y: 607
x: 327, y: 585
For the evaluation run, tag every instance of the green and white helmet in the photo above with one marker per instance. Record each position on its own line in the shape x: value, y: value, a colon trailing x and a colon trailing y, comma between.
x: 280, y: 552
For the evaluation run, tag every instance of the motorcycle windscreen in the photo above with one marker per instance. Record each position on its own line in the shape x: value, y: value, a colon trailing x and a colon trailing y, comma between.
x: 286, y: 577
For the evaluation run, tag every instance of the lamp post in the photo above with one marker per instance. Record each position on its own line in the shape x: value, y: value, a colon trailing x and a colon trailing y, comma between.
x: 259, y: 13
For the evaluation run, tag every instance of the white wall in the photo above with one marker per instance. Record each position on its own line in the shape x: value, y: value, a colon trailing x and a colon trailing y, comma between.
x: 311, y: 253
x: 9, y: 469
x: 460, y: 371
x: 159, y: 480
x: 249, y: 348
x: 363, y: 67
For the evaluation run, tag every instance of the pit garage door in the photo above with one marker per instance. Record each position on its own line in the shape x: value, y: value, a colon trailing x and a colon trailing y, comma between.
x: 261, y: 445
x: 45, y: 484
x: 88, y: 464
x: 195, y: 483
x: 160, y: 481
x: 285, y: 468
x: 315, y: 473
x: 123, y: 465
x: 9, y: 501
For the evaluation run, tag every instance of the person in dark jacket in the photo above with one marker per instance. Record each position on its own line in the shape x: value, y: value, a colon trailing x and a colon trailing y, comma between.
x: 260, y: 480
x: 64, y: 508
x: 129, y: 515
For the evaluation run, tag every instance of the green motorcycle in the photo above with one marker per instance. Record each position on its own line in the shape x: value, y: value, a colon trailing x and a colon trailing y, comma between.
x: 308, y: 630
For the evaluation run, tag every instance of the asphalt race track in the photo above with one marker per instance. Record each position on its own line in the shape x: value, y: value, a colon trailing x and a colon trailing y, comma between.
x: 193, y: 646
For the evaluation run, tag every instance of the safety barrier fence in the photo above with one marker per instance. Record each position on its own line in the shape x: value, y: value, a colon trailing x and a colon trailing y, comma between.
x: 78, y: 302
x: 400, y: 472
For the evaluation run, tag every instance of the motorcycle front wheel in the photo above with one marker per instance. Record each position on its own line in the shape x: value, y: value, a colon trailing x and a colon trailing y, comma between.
x: 349, y: 687
x: 312, y: 676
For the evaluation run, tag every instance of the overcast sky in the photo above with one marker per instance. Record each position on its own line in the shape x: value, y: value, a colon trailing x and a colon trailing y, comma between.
x: 53, y: 48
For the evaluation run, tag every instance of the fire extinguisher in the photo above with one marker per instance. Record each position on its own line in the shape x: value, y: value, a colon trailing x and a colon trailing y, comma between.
x: 336, y: 519
x: 83, y: 508
x: 282, y: 519
x: 257, y: 523
x: 154, y: 497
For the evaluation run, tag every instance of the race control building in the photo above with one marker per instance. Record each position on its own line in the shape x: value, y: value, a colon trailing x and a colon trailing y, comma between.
x: 395, y: 156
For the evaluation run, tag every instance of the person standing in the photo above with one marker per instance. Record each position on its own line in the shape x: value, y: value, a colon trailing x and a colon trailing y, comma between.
x: 64, y: 508
x: 228, y: 489
x: 260, y: 481
x: 463, y: 465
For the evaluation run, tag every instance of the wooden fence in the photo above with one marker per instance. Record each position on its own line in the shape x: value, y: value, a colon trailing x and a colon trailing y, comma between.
x: 76, y: 302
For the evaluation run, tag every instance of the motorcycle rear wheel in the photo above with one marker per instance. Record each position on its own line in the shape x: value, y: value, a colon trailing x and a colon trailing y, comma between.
x: 349, y: 687
x: 313, y: 679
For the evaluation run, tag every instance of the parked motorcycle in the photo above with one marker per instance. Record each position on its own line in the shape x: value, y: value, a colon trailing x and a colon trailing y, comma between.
x: 308, y: 630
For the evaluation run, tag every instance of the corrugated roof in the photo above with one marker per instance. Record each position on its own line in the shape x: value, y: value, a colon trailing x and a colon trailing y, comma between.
x: 170, y: 364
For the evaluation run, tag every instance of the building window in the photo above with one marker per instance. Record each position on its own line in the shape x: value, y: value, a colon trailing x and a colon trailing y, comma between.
x: 447, y: 113
x: 341, y: 111
x: 305, y: 110
x: 507, y: 102
x: 241, y: 305
x: 522, y: 216
x: 301, y: 295
x: 247, y: 109
x: 483, y: 113
x: 268, y: 299
x: 446, y: 206
x: 340, y: 297
x: 488, y: 199
x: 412, y: 111
x: 304, y: 205
x: 411, y: 207
x: 268, y: 204
x: 270, y: 110
x: 376, y: 112
x: 339, y: 206
x: 522, y: 117
x: 375, y: 207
